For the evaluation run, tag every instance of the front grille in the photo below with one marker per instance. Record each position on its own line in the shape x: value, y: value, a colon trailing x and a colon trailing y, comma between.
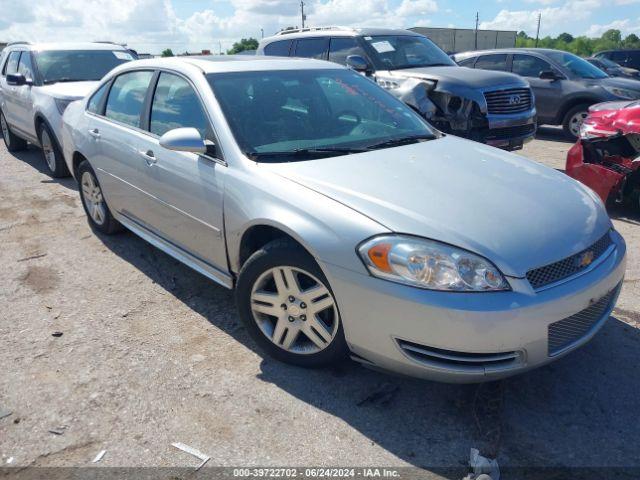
x: 512, y: 100
x: 565, y: 332
x: 507, y: 133
x: 554, y: 272
x: 461, y: 360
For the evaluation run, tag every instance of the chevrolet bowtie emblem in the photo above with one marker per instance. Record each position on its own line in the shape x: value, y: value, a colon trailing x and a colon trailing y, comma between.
x: 584, y: 259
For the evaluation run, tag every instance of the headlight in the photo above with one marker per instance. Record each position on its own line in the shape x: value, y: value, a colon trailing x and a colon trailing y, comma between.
x: 623, y: 93
x: 62, y: 104
x: 429, y: 264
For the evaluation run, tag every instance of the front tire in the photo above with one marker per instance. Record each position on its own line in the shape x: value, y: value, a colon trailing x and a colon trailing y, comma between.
x: 93, y: 202
x: 53, y: 158
x: 287, y: 306
x: 573, y: 120
x: 11, y: 141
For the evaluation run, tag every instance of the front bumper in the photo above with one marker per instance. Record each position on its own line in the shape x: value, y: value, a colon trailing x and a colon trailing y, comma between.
x: 386, y: 324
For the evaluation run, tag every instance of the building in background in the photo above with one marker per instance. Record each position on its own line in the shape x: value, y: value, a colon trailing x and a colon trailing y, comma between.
x: 454, y: 40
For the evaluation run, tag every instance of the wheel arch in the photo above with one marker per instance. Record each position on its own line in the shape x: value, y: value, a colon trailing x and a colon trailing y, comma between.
x: 76, y: 160
x: 569, y: 104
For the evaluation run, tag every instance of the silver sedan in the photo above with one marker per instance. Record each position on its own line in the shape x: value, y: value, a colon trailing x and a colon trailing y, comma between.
x: 347, y: 225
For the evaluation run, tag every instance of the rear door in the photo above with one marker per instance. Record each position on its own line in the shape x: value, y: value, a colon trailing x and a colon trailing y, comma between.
x: 116, y: 134
x: 498, y: 62
x: 185, y: 190
x: 9, y: 104
x: 548, y: 92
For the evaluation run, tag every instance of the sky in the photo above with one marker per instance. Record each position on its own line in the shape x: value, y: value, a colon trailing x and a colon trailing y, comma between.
x: 193, y: 25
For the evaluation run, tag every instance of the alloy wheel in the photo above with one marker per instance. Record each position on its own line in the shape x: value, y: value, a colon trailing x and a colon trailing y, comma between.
x: 576, y: 122
x: 92, y: 198
x: 48, y: 150
x: 5, y: 129
x: 294, y: 310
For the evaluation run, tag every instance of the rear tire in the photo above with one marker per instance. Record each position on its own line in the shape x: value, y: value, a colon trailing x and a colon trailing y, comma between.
x: 12, y: 142
x: 93, y: 202
x: 53, y: 158
x: 573, y: 120
x: 287, y: 306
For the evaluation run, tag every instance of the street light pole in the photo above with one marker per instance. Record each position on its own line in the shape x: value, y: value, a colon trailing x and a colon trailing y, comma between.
x: 304, y: 17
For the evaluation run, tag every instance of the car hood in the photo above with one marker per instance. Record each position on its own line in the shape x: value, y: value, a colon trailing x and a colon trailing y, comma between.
x: 462, y: 77
x: 513, y: 211
x: 69, y: 90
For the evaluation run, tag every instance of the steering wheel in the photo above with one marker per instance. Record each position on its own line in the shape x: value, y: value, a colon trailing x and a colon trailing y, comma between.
x: 350, y: 113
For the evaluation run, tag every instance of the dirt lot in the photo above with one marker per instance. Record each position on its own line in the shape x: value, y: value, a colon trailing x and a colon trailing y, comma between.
x: 152, y: 353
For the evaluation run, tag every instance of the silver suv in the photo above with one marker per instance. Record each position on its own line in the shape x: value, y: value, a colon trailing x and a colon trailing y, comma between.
x: 496, y: 108
x: 345, y: 222
x: 37, y: 83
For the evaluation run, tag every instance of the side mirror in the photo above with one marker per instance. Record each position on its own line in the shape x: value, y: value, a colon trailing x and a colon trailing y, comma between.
x: 358, y: 63
x: 183, y: 140
x: 17, y: 79
x: 548, y: 75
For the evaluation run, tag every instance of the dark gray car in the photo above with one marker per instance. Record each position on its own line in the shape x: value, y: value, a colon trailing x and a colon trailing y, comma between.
x: 564, y: 84
x: 493, y: 108
x: 612, y: 69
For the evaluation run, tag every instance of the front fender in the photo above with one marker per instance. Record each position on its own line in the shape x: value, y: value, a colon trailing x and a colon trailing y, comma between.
x: 415, y: 93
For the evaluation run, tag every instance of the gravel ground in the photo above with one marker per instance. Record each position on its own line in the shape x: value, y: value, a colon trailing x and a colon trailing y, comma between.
x: 152, y: 353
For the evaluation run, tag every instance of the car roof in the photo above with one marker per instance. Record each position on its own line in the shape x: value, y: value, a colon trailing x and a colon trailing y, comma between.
x: 337, y: 32
x: 474, y: 53
x: 233, y: 63
x: 38, y: 47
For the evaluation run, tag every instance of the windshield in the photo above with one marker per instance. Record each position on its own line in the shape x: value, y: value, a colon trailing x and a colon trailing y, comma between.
x: 78, y: 65
x: 393, y: 52
x: 608, y: 63
x: 576, y: 65
x: 292, y: 115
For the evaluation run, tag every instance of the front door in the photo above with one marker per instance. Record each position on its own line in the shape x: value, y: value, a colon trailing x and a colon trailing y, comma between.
x: 547, y: 92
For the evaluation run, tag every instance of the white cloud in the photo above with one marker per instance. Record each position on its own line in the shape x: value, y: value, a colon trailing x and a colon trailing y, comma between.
x: 625, y: 26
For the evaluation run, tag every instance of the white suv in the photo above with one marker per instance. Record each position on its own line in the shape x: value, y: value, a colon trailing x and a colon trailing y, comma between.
x: 38, y: 81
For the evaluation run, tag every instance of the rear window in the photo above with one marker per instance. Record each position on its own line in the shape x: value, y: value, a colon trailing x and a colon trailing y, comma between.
x: 492, y: 62
x: 312, y: 48
x: 278, y: 49
x: 78, y: 65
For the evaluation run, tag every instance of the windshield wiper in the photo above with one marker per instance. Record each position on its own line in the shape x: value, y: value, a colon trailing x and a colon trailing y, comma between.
x: 305, y: 152
x: 396, y: 142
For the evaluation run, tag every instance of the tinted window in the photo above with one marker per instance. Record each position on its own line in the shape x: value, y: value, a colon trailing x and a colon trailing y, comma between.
x: 467, y: 62
x: 96, y: 99
x: 529, y: 66
x: 176, y: 105
x: 274, y: 113
x: 393, y: 52
x: 78, y: 65
x: 127, y: 96
x: 278, y: 49
x: 25, y: 67
x: 576, y: 65
x: 312, y: 48
x: 492, y: 62
x: 634, y: 59
x: 341, y: 48
x: 618, y: 57
x: 12, y: 64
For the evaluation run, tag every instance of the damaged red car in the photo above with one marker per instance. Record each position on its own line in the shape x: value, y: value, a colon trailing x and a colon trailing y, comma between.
x: 606, y: 157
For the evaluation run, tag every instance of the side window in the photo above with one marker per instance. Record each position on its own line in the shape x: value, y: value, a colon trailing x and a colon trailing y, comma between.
x: 492, y: 62
x: 127, y: 96
x: 96, y: 99
x: 278, y: 49
x: 634, y: 59
x: 12, y: 63
x: 341, y: 48
x: 467, y: 62
x: 312, y: 48
x: 529, y: 66
x: 618, y: 57
x: 25, y: 67
x: 176, y: 105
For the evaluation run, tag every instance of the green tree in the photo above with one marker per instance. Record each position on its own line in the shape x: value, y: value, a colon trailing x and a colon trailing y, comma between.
x: 565, y: 37
x: 242, y: 45
x: 612, y: 35
x: 167, y: 52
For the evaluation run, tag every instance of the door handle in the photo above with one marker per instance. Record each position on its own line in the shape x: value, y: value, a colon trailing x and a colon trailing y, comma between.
x: 149, y: 157
x: 95, y: 133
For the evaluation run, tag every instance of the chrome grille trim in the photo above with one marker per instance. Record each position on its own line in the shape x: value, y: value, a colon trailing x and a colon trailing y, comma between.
x: 503, y: 102
x: 554, y: 272
x: 565, y: 333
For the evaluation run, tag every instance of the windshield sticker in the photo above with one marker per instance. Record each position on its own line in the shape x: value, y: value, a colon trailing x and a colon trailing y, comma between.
x: 123, y: 55
x: 383, y: 47
x: 368, y: 38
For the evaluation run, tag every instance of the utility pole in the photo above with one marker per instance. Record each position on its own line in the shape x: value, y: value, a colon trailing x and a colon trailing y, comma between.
x: 477, y: 23
x: 261, y: 32
x: 304, y: 17
x: 538, y: 32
